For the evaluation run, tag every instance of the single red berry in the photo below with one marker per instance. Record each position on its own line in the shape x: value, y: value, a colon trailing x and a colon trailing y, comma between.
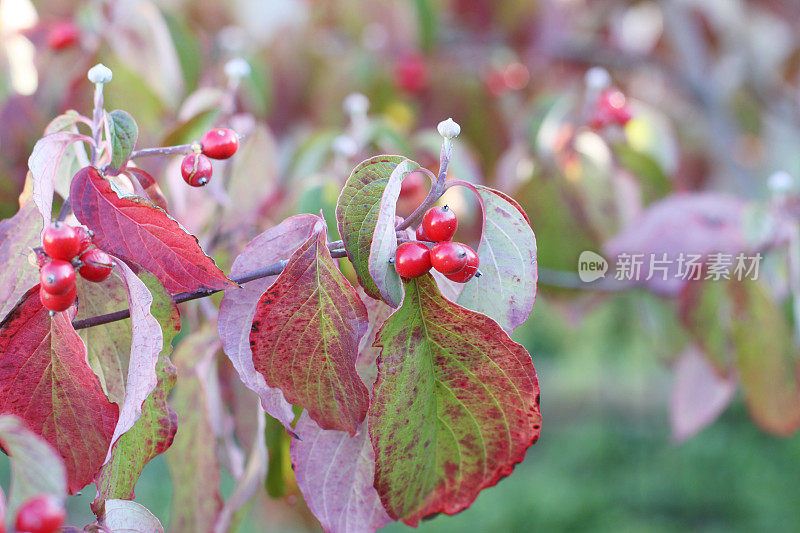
x: 40, y: 514
x: 57, y: 303
x: 84, y: 238
x: 440, y: 223
x: 196, y: 169
x: 466, y: 273
x: 61, y: 241
x: 57, y: 276
x: 96, y: 266
x: 411, y: 73
x: 412, y: 259
x: 421, y: 234
x: 448, y: 257
x: 220, y: 143
x: 611, y: 109
x: 63, y: 35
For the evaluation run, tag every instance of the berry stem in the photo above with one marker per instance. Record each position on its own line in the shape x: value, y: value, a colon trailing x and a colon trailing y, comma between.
x: 437, y: 189
x: 97, y: 120
x: 269, y: 270
x: 164, y: 150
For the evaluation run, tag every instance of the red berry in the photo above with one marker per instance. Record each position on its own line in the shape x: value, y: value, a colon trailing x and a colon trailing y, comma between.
x: 84, y: 238
x: 411, y: 73
x: 421, y: 234
x: 611, y: 109
x: 40, y: 514
x: 466, y: 273
x: 63, y: 35
x: 57, y: 276
x: 61, y: 241
x: 449, y: 257
x: 440, y: 223
x: 412, y: 259
x: 57, y: 302
x: 220, y: 143
x: 96, y: 266
x: 196, y: 169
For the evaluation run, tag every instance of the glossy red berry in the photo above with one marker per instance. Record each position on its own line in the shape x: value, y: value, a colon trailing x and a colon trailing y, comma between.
x: 196, y: 169
x: 57, y: 302
x: 411, y: 73
x: 63, y: 35
x: 448, y: 257
x: 220, y: 143
x: 421, y: 234
x: 61, y: 241
x: 40, y: 514
x: 466, y: 273
x: 57, y: 276
x: 412, y: 259
x: 440, y: 223
x: 96, y: 266
x: 84, y: 238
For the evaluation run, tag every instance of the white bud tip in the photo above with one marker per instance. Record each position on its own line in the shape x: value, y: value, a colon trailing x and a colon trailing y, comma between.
x: 780, y: 181
x: 100, y: 74
x: 597, y: 79
x: 449, y: 129
x: 345, y: 145
x: 237, y: 68
x: 355, y: 104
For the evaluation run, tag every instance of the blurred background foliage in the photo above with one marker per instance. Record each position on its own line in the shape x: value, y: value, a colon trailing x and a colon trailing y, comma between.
x: 713, y: 87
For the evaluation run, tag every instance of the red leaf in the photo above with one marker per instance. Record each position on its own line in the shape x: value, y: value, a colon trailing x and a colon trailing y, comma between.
x: 305, y: 337
x: 46, y: 381
x: 134, y: 229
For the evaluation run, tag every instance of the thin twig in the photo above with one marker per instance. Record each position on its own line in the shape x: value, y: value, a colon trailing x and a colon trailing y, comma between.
x: 165, y: 150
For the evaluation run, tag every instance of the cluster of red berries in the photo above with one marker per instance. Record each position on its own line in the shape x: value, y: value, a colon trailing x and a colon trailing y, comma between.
x: 40, y: 514
x: 458, y: 262
x: 219, y: 143
x: 611, y: 109
x: 67, y: 248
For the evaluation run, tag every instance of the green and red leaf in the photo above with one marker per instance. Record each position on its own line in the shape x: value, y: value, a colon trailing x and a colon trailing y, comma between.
x: 455, y: 406
x: 133, y: 228
x: 46, y: 381
x: 305, y: 335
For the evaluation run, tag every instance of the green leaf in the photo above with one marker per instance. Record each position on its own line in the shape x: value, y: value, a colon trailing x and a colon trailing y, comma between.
x: 364, y: 212
x: 455, y: 406
x: 155, y: 430
x: 426, y: 19
x: 123, y: 135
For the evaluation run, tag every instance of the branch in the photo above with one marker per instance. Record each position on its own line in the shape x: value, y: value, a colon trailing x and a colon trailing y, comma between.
x: 165, y: 150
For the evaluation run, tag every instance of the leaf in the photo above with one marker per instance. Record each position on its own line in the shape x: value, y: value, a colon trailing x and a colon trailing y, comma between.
x: 36, y: 467
x: 192, y: 459
x: 46, y: 381
x: 133, y: 229
x: 698, y: 395
x: 305, y: 336
x: 455, y: 406
x: 704, y: 309
x: 154, y: 431
x: 239, y: 306
x: 18, y: 235
x: 506, y: 290
x: 123, y: 135
x: 43, y: 164
x: 766, y: 359
x: 359, y: 210
x: 149, y: 186
x: 335, y: 473
x: 124, y: 516
x: 378, y: 312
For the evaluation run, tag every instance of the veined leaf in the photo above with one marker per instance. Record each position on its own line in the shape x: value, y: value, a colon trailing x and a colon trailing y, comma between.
x: 124, y: 133
x: 124, y: 516
x: 305, y: 336
x: 18, y: 235
x: 455, y: 406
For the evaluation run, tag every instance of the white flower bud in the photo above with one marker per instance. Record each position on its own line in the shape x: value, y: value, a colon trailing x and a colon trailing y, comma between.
x: 449, y: 129
x: 355, y: 104
x: 237, y: 68
x: 100, y: 74
x: 597, y: 79
x: 780, y: 182
x: 345, y: 145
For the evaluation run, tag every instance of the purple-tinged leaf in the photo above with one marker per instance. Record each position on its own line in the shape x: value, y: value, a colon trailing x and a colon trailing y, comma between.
x: 335, y: 473
x: 18, y: 235
x: 698, y: 394
x: 125, y: 516
x: 46, y: 381
x: 239, y: 306
x: 378, y: 312
x: 455, y: 406
x: 305, y: 336
x: 43, y: 164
